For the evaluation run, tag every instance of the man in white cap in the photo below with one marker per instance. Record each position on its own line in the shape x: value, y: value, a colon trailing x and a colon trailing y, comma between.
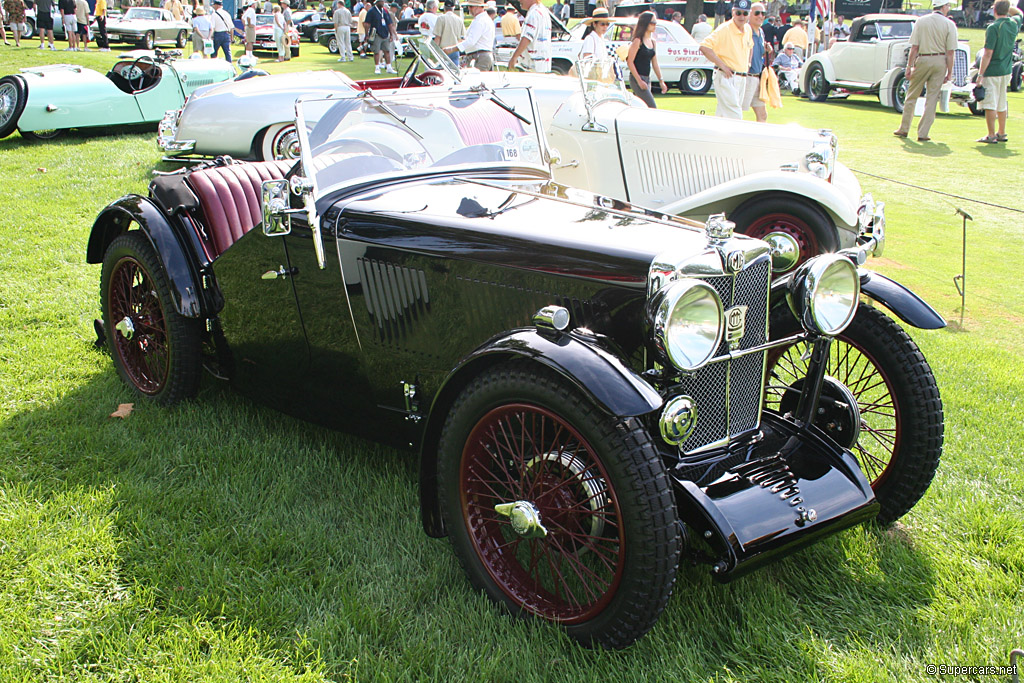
x: 536, y: 38
x: 222, y: 28
x: 478, y: 45
x: 929, y: 64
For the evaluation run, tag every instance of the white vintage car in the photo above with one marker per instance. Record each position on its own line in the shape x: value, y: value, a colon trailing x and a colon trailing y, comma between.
x: 147, y: 26
x: 679, y: 55
x: 768, y: 178
x: 872, y: 61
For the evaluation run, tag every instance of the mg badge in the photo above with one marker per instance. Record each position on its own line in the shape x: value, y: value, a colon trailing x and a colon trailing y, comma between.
x: 735, y: 324
x: 736, y: 260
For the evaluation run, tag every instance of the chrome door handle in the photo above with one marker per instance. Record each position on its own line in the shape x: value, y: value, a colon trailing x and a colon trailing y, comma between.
x: 280, y: 272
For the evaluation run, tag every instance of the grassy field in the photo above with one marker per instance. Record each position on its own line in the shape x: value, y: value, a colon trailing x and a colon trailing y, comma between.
x: 221, y: 541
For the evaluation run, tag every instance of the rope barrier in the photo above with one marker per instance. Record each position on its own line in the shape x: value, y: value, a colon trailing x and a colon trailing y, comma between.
x: 945, y: 194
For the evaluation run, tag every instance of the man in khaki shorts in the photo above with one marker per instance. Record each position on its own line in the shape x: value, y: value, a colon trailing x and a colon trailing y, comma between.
x: 929, y: 64
x: 996, y: 65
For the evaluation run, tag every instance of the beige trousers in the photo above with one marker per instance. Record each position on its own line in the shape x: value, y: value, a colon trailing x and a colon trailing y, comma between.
x: 931, y: 72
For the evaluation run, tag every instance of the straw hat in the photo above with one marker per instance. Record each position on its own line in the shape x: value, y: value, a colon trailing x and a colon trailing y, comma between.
x: 600, y: 14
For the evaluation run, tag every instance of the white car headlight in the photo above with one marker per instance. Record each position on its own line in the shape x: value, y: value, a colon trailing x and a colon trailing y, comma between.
x: 824, y: 293
x: 821, y: 160
x: 686, y: 319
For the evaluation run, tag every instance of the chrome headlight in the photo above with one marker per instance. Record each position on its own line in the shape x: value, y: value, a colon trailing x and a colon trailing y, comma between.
x: 824, y: 293
x: 686, y: 319
x: 821, y: 160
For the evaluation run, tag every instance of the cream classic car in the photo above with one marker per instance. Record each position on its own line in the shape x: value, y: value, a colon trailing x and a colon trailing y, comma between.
x: 872, y: 61
x: 769, y: 178
x: 679, y: 56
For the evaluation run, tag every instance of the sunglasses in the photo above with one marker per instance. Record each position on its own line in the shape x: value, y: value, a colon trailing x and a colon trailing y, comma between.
x: 758, y: 13
x: 739, y: 13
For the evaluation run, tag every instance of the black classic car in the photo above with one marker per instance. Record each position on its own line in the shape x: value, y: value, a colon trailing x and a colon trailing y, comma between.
x: 597, y: 392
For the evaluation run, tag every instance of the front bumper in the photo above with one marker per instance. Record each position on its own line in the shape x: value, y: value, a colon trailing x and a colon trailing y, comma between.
x: 167, y: 133
x: 780, y: 491
x: 871, y: 223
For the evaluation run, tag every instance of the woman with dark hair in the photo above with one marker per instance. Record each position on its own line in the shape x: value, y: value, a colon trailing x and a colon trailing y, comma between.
x: 642, y: 56
x: 593, y: 38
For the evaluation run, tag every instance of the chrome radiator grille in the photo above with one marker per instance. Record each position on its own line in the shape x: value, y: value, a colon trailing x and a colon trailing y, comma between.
x: 729, y: 393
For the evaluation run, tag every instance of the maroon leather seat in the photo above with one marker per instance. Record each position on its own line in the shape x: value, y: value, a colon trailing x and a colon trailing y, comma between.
x: 231, y: 199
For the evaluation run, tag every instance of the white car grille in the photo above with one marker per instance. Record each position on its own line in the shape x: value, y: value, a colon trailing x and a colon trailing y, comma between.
x: 682, y: 175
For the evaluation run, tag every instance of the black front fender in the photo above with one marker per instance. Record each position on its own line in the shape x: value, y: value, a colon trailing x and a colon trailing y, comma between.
x: 599, y: 374
x: 182, y: 271
x: 908, y: 307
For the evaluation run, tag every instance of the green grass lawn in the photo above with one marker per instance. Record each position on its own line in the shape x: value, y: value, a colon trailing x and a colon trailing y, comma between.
x: 221, y: 541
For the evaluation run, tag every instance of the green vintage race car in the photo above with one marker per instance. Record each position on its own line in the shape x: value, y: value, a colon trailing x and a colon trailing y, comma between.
x: 41, y: 102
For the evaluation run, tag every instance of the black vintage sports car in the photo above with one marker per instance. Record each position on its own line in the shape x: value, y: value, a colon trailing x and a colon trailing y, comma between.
x: 597, y: 392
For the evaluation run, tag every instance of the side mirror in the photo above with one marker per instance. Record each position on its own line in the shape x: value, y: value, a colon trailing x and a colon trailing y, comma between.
x: 277, y: 220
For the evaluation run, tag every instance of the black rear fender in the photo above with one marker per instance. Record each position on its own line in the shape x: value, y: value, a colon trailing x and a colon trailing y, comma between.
x: 190, y: 298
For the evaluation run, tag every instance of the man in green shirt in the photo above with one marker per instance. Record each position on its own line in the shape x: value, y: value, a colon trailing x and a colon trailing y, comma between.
x: 996, y: 65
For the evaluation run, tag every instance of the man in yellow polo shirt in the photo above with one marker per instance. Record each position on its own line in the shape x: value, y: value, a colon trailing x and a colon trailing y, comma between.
x: 798, y: 36
x: 728, y: 48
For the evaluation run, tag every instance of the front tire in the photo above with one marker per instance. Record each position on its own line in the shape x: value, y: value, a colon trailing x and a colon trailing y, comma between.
x: 148, y: 41
x: 817, y: 85
x: 560, y: 67
x: 332, y: 46
x: 155, y: 349
x: 13, y: 95
x: 1015, y: 77
x: 30, y: 28
x: 695, y: 82
x: 899, y: 93
x: 901, y: 428
x: 182, y: 39
x: 807, y: 223
x: 605, y: 566
x: 295, y: 51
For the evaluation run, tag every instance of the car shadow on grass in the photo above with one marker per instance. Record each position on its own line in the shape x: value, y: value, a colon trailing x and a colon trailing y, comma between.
x: 229, y: 514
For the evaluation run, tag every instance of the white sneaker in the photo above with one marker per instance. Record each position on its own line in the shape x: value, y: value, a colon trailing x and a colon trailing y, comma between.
x: 104, y: 49
x: 391, y: 70
x: 376, y: 70
x: 41, y: 46
x: 53, y: 47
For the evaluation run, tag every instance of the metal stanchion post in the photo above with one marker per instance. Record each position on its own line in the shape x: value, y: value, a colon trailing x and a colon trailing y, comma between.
x: 960, y: 281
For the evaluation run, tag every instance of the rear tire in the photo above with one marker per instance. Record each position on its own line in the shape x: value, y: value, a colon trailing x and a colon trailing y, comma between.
x: 279, y: 141
x: 182, y: 39
x: 295, y: 51
x: 560, y: 67
x: 148, y: 41
x: 13, y: 95
x: 605, y: 560
x: 695, y: 82
x: 332, y: 46
x: 155, y: 349
x: 43, y: 135
x: 30, y: 28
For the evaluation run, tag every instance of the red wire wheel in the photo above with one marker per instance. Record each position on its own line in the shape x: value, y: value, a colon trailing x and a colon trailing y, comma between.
x: 155, y: 349
x: 556, y: 508
x: 792, y: 226
x: 814, y: 231
x: 901, y: 419
x: 140, y: 330
x: 521, y: 452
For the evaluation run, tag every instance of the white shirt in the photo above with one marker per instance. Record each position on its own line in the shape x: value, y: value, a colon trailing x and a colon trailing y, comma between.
x: 249, y: 16
x: 595, y: 46
x: 408, y: 13
x: 537, y: 30
x: 701, y: 31
x: 480, y: 35
x: 426, y: 23
x: 201, y: 23
x: 221, y: 21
